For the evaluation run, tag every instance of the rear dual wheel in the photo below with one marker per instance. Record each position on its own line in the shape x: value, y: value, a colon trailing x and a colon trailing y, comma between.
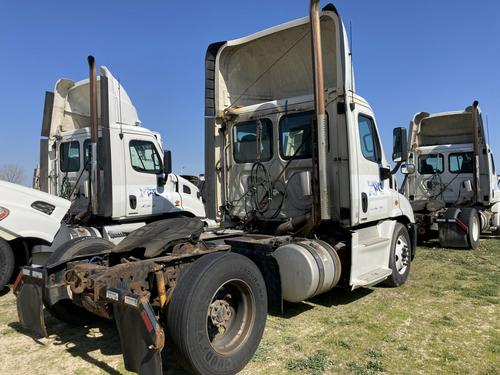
x: 465, y: 232
x: 470, y: 218
x: 217, y: 314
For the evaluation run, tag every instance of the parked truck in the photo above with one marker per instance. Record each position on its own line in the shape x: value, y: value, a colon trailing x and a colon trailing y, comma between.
x: 296, y: 176
x: 133, y: 185
x: 451, y: 180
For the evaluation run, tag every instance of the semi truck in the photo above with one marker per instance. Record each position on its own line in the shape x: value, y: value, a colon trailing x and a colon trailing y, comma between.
x: 451, y: 180
x: 305, y: 199
x: 134, y: 183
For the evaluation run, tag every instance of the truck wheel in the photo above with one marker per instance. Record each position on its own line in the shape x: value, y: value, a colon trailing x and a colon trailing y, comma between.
x: 6, y: 263
x: 470, y: 217
x: 399, y: 258
x: 217, y: 314
x: 65, y: 310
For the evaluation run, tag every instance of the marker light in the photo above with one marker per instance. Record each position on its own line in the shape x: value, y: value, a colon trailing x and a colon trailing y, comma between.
x: 3, y: 213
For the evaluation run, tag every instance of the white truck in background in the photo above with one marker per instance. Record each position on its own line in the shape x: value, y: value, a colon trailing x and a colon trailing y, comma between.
x: 136, y: 184
x: 451, y: 180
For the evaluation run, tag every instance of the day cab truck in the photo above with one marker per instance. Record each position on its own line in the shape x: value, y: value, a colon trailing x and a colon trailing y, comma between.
x: 134, y: 185
x: 297, y: 179
x: 451, y: 180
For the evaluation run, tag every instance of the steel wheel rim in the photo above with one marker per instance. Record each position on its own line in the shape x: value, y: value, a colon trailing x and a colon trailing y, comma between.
x: 230, y: 316
x: 401, y: 254
x: 475, y: 228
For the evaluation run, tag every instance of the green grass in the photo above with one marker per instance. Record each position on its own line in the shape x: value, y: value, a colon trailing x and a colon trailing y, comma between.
x: 444, y: 320
x: 315, y: 364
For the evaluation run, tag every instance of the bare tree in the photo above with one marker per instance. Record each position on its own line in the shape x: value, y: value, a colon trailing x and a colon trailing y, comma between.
x: 12, y: 173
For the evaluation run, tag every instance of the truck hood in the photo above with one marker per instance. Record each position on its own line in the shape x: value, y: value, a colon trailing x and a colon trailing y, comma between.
x: 41, y: 220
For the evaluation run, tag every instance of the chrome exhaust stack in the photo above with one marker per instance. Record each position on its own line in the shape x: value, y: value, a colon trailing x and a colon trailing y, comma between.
x: 94, y: 136
x: 321, y: 205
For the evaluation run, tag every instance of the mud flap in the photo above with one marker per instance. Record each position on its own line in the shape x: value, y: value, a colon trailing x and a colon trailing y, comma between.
x: 452, y: 231
x: 141, y: 336
x: 29, y: 301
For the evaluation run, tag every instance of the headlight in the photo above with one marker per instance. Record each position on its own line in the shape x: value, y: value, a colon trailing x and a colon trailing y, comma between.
x: 3, y: 213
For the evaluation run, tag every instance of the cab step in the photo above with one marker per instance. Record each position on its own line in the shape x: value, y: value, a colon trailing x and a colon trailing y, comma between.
x: 372, y: 277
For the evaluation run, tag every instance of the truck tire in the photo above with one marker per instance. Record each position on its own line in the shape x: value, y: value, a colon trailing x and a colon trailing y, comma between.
x: 7, y: 263
x: 470, y: 217
x: 217, y: 314
x: 65, y: 310
x: 400, y: 256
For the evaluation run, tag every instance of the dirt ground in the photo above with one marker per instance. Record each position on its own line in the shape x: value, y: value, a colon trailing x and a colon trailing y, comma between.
x: 444, y: 320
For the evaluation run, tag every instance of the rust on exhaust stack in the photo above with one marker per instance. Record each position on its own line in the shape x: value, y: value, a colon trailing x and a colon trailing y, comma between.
x: 321, y: 206
x: 94, y: 136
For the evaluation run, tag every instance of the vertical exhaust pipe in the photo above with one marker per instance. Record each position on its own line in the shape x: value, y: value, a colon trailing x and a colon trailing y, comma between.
x: 321, y: 206
x: 94, y: 136
x: 477, y: 150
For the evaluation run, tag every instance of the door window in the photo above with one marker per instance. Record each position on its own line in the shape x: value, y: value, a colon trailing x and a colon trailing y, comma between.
x: 430, y: 164
x: 460, y: 162
x: 246, y: 136
x: 69, y: 156
x: 370, y: 146
x: 144, y: 157
x: 295, y: 135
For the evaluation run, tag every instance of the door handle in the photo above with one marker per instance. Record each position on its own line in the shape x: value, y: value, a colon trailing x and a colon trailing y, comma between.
x: 364, y: 202
x: 133, y: 201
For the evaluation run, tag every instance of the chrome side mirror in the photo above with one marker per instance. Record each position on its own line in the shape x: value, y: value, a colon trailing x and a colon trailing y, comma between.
x: 408, y: 168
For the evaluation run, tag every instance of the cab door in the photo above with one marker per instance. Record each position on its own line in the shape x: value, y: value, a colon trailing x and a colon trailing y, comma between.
x: 143, y: 168
x: 374, y: 192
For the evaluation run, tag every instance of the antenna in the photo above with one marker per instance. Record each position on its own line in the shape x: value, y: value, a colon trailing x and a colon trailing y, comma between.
x: 352, y: 105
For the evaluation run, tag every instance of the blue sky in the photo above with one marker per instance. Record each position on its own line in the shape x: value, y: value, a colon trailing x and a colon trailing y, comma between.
x: 409, y: 56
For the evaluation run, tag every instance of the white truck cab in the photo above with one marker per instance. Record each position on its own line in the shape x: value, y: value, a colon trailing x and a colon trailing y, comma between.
x: 260, y: 119
x: 136, y: 178
x: 136, y: 184
x: 452, y: 183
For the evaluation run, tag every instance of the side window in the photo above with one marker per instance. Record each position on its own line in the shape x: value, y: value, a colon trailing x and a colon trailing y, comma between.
x: 186, y: 189
x: 461, y: 162
x: 144, y: 157
x: 246, y: 136
x: 295, y: 135
x: 430, y: 164
x: 370, y: 146
x: 69, y: 156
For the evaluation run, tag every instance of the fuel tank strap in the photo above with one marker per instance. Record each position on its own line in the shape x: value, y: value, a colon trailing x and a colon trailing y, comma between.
x: 319, y: 262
